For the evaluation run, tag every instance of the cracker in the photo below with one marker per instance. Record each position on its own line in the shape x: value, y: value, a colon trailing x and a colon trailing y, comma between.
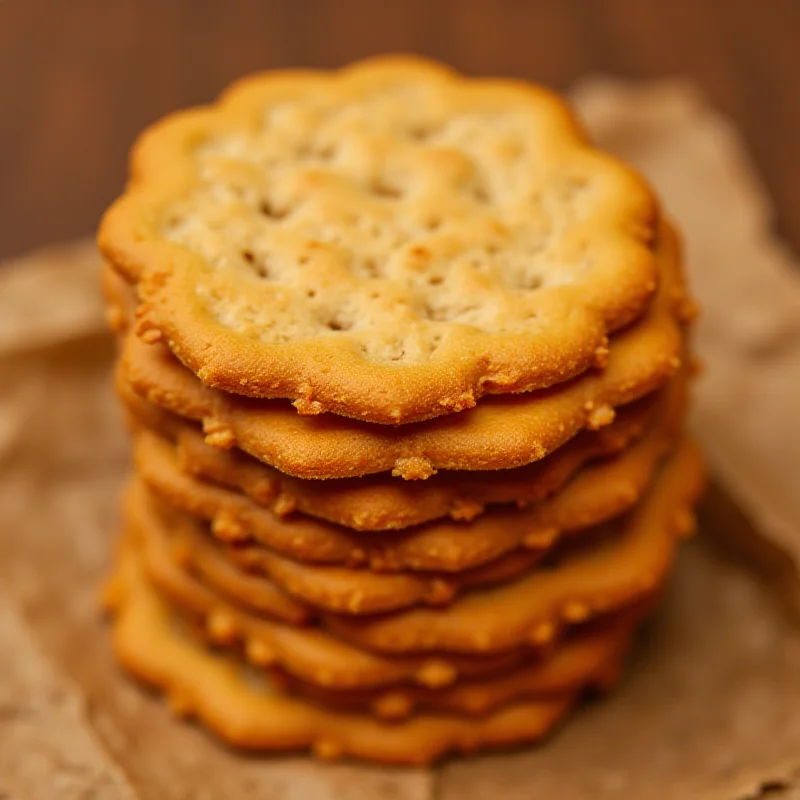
x: 362, y: 591
x: 388, y: 242
x: 600, y: 491
x: 251, y: 714
x: 337, y: 589
x: 206, y: 558
x: 380, y: 502
x: 633, y: 564
x: 593, y: 656
x: 596, y: 579
x: 500, y: 433
x: 309, y: 652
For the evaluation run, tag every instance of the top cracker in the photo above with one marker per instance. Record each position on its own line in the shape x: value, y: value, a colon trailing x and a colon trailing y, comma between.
x: 387, y: 242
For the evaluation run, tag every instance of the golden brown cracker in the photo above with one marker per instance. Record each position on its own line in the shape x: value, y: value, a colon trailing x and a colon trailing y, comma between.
x: 600, y: 491
x: 380, y: 502
x: 363, y: 591
x: 632, y: 564
x: 500, y: 433
x: 593, y: 656
x: 337, y: 589
x: 245, y: 711
x: 598, y: 578
x: 207, y: 559
x: 308, y: 652
x: 388, y: 242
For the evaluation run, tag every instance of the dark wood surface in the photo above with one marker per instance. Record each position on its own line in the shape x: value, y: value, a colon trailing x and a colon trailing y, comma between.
x: 79, y: 78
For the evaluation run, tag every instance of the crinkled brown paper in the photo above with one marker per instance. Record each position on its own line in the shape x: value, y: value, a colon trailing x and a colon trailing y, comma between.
x: 710, y: 709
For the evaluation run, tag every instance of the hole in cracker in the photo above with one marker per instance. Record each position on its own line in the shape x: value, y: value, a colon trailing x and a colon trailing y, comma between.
x: 481, y: 194
x: 338, y: 322
x: 269, y: 209
x: 418, y: 254
x: 435, y: 341
x: 320, y: 152
x: 394, y: 350
x: 311, y: 293
x: 433, y: 223
x: 259, y: 266
x: 531, y: 281
x: 326, y: 153
x: 371, y: 267
x: 437, y: 313
x: 435, y: 280
x: 421, y: 132
x: 382, y: 188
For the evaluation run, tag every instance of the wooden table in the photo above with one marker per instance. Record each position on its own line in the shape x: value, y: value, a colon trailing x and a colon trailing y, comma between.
x: 79, y: 78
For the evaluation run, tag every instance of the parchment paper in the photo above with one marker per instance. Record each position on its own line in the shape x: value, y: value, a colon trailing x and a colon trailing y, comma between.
x: 710, y: 709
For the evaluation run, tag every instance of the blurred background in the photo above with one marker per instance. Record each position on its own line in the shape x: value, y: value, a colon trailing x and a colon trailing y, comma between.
x: 80, y: 78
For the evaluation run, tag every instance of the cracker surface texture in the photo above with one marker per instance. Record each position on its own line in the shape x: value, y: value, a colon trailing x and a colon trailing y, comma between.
x: 388, y: 242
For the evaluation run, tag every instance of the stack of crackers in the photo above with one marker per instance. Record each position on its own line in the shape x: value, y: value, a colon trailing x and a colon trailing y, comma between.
x: 405, y: 365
